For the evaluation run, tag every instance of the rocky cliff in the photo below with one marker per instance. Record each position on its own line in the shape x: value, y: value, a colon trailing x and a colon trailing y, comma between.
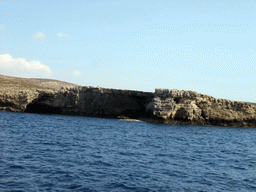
x: 165, y: 105
x: 178, y: 106
x: 92, y: 101
x: 16, y: 93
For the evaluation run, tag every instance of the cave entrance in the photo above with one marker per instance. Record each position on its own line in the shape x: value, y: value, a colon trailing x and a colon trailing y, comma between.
x: 43, y: 109
x: 177, y: 99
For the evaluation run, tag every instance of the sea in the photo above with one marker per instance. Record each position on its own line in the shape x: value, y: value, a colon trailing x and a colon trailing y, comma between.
x: 63, y: 153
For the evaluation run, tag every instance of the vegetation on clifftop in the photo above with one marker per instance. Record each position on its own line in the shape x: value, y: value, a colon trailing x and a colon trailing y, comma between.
x: 15, y: 84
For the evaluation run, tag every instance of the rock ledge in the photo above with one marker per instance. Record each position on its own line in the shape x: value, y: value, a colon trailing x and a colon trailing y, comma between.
x: 164, y: 106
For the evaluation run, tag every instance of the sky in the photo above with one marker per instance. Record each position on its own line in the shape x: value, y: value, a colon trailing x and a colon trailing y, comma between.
x: 204, y: 46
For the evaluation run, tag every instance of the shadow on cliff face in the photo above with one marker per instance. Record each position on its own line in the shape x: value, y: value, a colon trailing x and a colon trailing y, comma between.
x: 7, y: 104
x: 138, y: 109
x: 43, y: 109
x: 135, y: 113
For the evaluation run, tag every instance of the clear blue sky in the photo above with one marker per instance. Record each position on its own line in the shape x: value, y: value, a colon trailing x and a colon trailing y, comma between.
x: 204, y: 46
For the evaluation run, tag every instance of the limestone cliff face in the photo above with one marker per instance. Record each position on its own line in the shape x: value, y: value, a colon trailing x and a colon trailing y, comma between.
x: 189, y: 107
x: 165, y: 105
x: 16, y: 101
x: 16, y: 93
x: 91, y: 101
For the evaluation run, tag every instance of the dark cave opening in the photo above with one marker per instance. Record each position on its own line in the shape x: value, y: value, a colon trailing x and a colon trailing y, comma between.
x: 43, y: 109
x: 177, y: 99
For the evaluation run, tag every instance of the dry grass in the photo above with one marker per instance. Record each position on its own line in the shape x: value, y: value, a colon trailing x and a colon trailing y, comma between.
x: 15, y: 84
x: 11, y: 85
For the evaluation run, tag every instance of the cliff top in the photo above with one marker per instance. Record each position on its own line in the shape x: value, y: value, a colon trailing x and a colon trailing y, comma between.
x: 8, y: 83
x: 16, y: 84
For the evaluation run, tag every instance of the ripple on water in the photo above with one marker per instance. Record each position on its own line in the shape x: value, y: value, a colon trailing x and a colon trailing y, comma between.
x: 69, y: 153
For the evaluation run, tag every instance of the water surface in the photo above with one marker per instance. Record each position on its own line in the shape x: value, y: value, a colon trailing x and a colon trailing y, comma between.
x: 71, y: 153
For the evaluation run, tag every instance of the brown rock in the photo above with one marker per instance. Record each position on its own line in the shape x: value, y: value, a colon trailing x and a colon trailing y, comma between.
x: 191, y: 107
x: 165, y: 105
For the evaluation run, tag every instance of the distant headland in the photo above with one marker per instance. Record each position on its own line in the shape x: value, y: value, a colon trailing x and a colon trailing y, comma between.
x: 163, y: 106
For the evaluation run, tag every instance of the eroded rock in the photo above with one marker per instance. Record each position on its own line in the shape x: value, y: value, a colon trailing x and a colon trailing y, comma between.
x: 165, y: 105
x: 195, y: 108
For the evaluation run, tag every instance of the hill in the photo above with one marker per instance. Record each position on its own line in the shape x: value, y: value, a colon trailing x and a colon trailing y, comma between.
x: 12, y: 83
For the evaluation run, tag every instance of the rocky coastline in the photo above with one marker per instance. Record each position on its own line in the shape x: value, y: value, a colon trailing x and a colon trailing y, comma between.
x: 163, y: 106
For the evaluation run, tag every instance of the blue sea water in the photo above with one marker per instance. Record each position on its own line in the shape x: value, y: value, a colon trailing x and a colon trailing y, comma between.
x: 72, y: 153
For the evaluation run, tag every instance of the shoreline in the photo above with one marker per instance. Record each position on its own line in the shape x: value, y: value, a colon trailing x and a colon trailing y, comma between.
x: 168, y: 106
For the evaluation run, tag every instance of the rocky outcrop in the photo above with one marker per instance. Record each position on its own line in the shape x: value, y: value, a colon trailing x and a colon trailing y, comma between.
x: 16, y: 101
x: 176, y: 106
x: 92, y: 101
x: 165, y: 105
x: 16, y: 93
